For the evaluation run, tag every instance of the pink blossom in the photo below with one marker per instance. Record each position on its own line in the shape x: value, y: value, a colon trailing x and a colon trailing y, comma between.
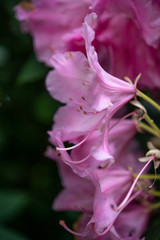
x: 54, y: 25
x: 100, y: 204
x: 100, y: 174
x: 127, y: 31
x: 78, y: 192
x: 86, y: 159
x: 130, y: 225
x: 99, y: 199
x: 92, y: 97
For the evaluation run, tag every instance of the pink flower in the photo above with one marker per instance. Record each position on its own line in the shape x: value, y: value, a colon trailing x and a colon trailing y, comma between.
x: 127, y: 31
x: 115, y: 183
x: 78, y: 192
x: 89, y: 157
x: 100, y: 174
x: 130, y: 225
x: 99, y: 203
x: 99, y: 199
x: 54, y: 25
x: 92, y: 96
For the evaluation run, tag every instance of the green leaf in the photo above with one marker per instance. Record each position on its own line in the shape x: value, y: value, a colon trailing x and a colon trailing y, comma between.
x: 8, y: 234
x: 4, y: 55
x: 44, y: 107
x: 12, y: 203
x: 31, y: 71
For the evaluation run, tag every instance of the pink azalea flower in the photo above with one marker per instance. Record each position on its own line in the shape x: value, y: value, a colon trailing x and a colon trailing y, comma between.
x: 136, y: 220
x: 78, y: 192
x: 99, y: 199
x: 130, y: 225
x: 54, y: 25
x: 122, y: 38
x: 144, y: 14
x: 127, y: 31
x: 103, y: 218
x: 115, y: 183
x: 89, y: 157
x: 92, y: 95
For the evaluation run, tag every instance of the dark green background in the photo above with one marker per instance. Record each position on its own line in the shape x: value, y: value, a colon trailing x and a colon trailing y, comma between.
x: 28, y: 181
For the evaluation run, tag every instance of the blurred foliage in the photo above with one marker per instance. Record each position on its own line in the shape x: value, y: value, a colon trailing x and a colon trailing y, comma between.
x: 28, y: 181
x: 153, y: 230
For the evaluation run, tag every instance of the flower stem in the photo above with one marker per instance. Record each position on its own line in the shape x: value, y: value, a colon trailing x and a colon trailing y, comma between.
x: 155, y: 193
x: 152, y: 124
x: 148, y: 176
x: 148, y: 129
x: 148, y: 99
x: 155, y: 205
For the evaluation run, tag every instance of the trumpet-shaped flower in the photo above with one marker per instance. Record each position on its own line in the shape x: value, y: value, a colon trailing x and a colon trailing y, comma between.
x: 92, y: 97
x: 89, y: 157
x: 130, y: 225
x: 99, y: 200
x: 125, y: 33
x: 100, y: 175
x: 100, y: 197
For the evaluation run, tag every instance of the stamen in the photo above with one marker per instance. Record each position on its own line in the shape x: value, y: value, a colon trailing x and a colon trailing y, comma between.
x: 86, y: 112
x: 121, y: 119
x: 75, y: 162
x: 155, y: 171
x: 81, y: 107
x: 83, y: 98
x: 134, y: 183
x: 75, y: 146
x: 62, y: 223
x: 103, y: 167
x: 117, y: 214
x: 78, y: 144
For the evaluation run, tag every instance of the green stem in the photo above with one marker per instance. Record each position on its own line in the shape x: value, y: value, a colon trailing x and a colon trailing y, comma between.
x: 155, y: 205
x: 148, y: 129
x: 148, y: 176
x: 148, y: 99
x: 155, y: 193
x: 152, y: 124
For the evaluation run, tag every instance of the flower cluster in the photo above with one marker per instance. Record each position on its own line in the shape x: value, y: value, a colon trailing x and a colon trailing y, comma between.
x: 95, y: 48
